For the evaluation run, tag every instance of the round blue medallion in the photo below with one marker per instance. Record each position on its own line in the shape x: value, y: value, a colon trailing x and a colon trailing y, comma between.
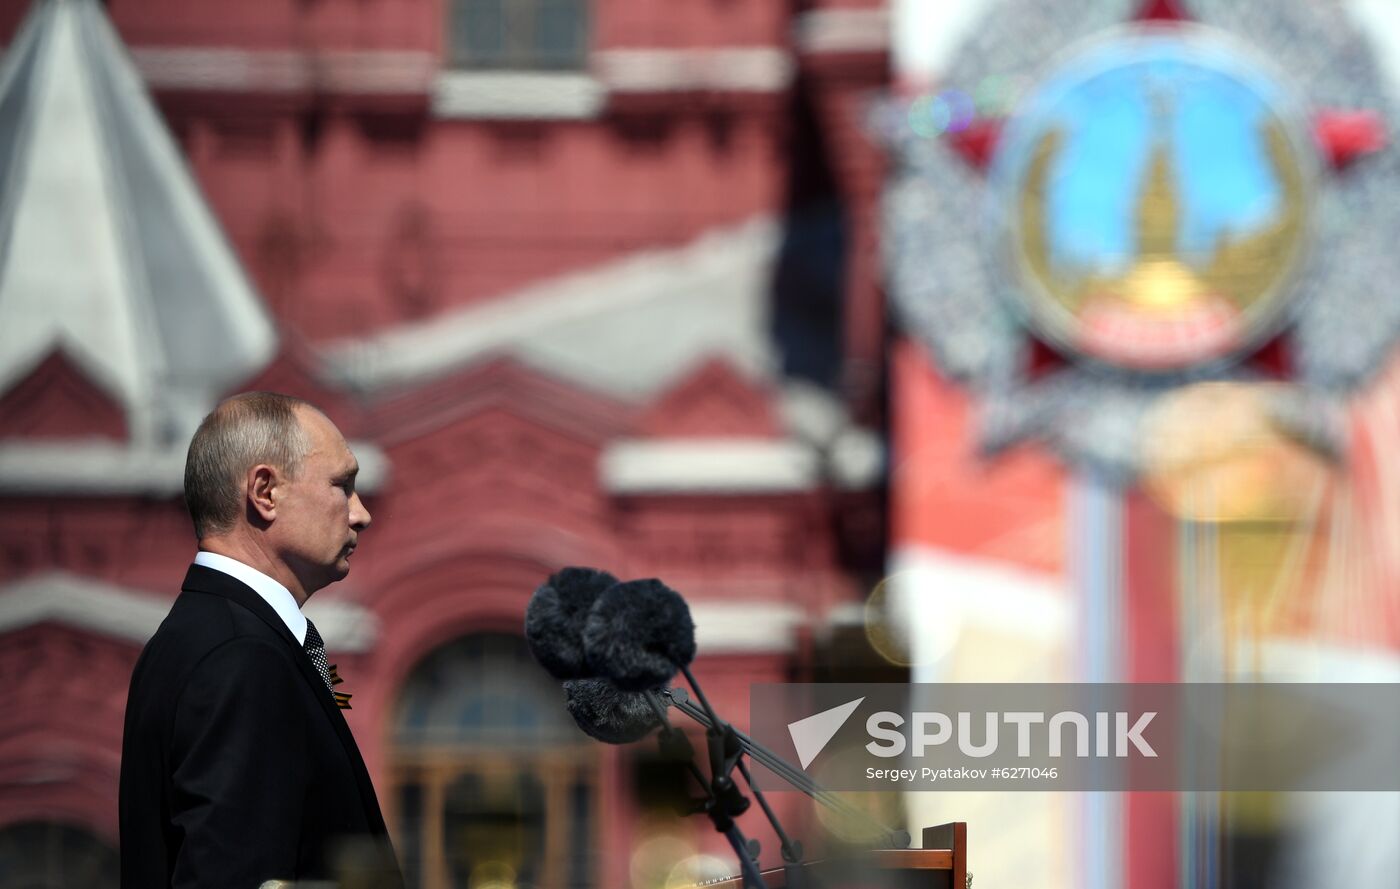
x: 1152, y: 200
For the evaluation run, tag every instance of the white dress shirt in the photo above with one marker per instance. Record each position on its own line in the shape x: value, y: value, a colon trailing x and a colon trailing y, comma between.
x: 273, y: 593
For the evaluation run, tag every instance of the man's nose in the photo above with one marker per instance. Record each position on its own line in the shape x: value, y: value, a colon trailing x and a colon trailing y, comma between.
x: 359, y: 516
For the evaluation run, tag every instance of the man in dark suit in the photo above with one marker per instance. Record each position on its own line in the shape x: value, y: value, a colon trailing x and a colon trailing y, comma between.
x: 237, y: 765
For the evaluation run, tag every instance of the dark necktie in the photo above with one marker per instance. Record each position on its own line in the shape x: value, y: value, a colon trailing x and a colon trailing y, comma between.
x: 316, y: 650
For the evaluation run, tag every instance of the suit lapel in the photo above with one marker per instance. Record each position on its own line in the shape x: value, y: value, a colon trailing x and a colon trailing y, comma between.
x: 200, y: 579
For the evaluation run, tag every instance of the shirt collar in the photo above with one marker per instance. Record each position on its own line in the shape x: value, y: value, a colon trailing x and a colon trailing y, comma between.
x: 272, y: 592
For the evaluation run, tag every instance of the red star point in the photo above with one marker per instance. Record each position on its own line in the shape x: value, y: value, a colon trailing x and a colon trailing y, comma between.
x: 1345, y: 136
x: 1162, y: 11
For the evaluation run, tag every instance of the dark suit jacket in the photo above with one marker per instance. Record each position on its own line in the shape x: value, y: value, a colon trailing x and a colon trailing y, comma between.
x: 237, y: 766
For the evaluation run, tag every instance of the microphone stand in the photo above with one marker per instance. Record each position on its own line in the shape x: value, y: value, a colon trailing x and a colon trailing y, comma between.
x: 726, y: 753
x: 792, y: 851
x: 893, y: 838
x: 722, y: 802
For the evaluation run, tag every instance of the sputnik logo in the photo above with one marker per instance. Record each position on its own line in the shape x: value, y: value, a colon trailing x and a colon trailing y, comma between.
x: 812, y: 734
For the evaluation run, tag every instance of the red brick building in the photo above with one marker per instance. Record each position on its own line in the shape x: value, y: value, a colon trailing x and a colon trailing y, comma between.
x: 584, y: 283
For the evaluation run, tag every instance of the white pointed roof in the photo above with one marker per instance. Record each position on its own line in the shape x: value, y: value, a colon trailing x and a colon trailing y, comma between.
x: 628, y: 327
x: 107, y: 249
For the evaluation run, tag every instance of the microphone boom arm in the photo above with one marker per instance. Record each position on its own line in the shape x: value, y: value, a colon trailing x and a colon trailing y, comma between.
x: 896, y: 839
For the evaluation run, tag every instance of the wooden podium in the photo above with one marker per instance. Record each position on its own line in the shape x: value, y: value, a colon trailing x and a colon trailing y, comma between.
x: 940, y: 864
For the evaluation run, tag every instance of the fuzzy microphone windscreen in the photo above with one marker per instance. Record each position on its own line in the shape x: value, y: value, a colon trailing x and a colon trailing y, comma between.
x: 555, y: 617
x: 608, y: 713
x: 638, y: 634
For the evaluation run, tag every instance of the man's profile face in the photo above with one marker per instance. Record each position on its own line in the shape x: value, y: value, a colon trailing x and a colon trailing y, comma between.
x: 319, y: 515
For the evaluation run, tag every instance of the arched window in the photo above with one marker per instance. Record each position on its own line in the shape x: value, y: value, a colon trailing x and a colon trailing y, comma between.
x: 44, y: 855
x: 493, y: 783
x: 518, y: 34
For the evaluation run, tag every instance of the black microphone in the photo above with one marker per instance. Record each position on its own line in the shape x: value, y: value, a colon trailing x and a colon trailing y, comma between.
x: 637, y: 634
x: 555, y: 617
x: 609, y: 714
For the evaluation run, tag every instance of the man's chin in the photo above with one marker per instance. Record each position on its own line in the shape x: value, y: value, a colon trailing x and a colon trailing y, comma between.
x: 342, y: 562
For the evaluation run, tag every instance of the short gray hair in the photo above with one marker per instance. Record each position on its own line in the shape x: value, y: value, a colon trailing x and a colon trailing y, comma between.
x: 243, y: 431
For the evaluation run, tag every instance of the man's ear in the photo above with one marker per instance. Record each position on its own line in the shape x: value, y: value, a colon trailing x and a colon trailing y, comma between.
x: 263, y: 491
